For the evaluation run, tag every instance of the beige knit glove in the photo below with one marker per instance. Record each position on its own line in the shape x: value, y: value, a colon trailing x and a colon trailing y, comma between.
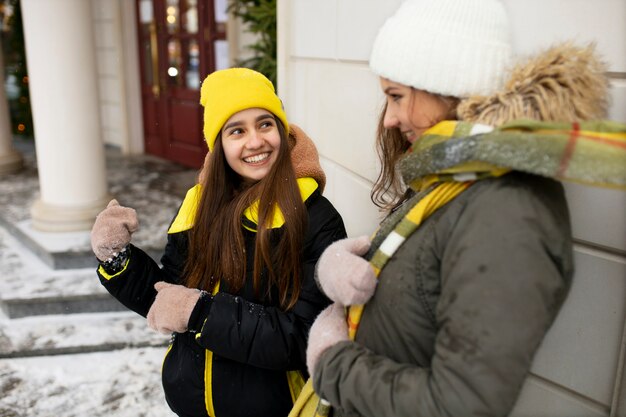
x: 329, y: 328
x: 345, y: 277
x: 112, y: 230
x: 172, y: 307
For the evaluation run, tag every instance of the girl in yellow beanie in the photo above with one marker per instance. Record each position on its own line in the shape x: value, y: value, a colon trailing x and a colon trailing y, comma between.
x: 236, y: 286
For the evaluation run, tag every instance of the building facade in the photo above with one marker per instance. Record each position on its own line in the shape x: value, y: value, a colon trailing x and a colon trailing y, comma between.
x: 94, y: 78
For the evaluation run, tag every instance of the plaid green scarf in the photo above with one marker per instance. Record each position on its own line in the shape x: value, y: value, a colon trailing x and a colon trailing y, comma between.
x: 592, y: 153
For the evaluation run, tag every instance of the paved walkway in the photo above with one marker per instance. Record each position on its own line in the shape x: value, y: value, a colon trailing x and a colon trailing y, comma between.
x: 66, y: 347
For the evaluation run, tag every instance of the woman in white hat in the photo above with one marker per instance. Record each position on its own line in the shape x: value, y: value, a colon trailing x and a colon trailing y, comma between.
x: 474, y: 259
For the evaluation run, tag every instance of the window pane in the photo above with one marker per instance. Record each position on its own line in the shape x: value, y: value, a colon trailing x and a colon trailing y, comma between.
x: 146, y: 12
x: 221, y: 55
x: 148, y: 36
x: 147, y: 61
x: 192, y: 76
x: 146, y: 16
x: 221, y: 16
x: 190, y: 16
x: 171, y: 16
x: 174, y: 61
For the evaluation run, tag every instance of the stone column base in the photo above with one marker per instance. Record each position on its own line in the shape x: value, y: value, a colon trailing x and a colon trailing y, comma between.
x: 11, y: 162
x: 50, y: 218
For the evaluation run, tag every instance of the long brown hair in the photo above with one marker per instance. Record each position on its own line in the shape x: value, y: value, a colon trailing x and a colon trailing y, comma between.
x: 216, y: 242
x: 390, y: 147
x: 388, y: 190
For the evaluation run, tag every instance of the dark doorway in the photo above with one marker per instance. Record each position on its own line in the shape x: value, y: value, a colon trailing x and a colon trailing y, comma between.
x: 180, y: 43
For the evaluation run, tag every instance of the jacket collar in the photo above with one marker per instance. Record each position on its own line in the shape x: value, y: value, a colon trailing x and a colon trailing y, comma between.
x: 186, y: 217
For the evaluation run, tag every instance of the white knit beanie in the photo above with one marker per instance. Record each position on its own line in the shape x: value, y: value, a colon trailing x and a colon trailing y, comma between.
x: 450, y: 47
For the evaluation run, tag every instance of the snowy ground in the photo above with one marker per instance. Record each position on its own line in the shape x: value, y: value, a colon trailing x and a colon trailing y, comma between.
x: 57, y: 360
x: 124, y: 383
x: 42, y: 370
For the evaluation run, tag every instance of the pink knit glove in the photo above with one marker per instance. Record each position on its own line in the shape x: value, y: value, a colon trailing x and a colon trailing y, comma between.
x: 112, y: 230
x: 329, y: 328
x: 172, y: 307
x: 345, y: 277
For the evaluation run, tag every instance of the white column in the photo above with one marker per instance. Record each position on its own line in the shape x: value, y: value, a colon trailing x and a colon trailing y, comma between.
x: 64, y: 98
x: 10, y: 160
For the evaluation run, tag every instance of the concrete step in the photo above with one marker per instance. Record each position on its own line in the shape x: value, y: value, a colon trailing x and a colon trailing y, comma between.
x: 29, y: 287
x: 44, y: 292
x: 75, y: 333
x: 75, y: 304
x: 72, y: 250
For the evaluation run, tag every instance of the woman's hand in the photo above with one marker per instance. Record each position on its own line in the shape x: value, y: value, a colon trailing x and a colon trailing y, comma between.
x: 112, y: 230
x: 172, y: 307
x: 345, y: 277
x: 329, y: 328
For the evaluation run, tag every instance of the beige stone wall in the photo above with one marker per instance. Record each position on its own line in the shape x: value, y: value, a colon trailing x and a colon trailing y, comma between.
x: 109, y: 56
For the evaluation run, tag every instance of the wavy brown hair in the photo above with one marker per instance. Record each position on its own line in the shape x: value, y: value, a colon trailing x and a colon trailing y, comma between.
x: 216, y: 242
x: 390, y: 147
x: 388, y: 190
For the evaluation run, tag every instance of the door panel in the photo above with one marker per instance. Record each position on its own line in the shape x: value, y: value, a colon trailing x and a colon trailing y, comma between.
x: 185, y: 123
x: 181, y: 43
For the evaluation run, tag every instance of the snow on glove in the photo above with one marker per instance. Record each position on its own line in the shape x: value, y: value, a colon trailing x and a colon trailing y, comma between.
x: 329, y: 328
x: 345, y: 277
x: 172, y: 307
x: 112, y: 230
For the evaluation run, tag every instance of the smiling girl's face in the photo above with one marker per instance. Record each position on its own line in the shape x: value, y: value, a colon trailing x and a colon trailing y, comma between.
x: 410, y: 110
x: 251, y: 142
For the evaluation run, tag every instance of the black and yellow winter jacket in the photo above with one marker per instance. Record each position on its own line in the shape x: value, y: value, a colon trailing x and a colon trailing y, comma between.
x: 242, y: 355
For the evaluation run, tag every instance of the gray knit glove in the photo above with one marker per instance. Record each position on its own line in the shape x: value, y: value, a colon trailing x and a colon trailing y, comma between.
x: 343, y: 274
x: 112, y: 230
x: 328, y: 329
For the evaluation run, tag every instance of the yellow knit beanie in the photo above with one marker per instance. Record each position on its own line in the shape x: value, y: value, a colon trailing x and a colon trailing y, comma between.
x: 232, y: 90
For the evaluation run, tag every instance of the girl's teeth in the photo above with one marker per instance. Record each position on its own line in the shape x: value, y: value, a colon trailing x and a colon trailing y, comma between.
x: 257, y: 158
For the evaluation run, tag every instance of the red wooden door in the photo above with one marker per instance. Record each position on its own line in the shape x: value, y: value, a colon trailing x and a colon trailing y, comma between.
x: 181, y: 42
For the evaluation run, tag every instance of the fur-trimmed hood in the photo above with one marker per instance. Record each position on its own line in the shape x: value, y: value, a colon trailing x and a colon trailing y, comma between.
x: 565, y: 82
x: 547, y: 121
